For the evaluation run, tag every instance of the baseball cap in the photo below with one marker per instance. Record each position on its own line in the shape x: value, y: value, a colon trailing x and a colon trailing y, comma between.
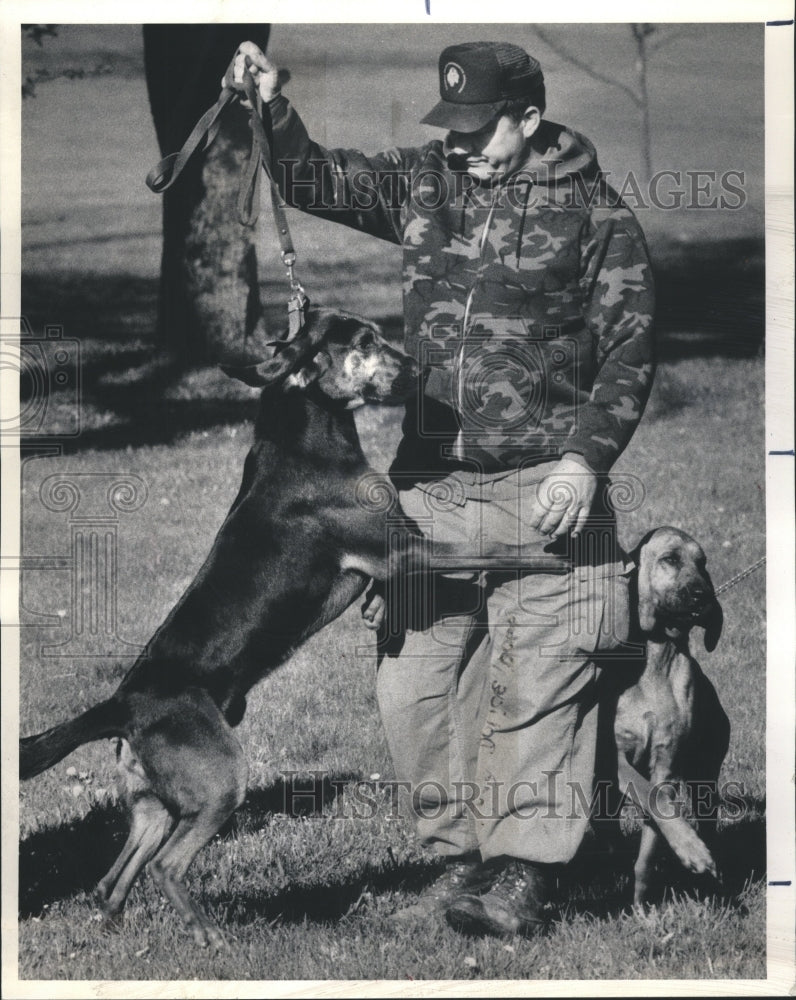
x: 477, y: 79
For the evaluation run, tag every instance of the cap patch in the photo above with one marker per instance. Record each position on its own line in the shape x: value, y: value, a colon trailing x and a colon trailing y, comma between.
x: 454, y: 77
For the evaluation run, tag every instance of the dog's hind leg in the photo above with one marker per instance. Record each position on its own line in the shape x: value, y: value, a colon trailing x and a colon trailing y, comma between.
x: 204, y: 783
x: 150, y: 824
x: 170, y: 866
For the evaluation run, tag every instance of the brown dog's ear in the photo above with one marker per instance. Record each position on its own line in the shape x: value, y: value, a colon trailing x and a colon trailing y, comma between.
x: 642, y: 557
x: 713, y: 626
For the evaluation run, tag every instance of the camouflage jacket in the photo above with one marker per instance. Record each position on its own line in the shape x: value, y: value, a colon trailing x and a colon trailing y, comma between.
x: 528, y: 304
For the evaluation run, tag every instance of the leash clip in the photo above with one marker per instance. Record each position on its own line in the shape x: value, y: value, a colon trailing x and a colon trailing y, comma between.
x: 289, y: 260
x: 296, y: 308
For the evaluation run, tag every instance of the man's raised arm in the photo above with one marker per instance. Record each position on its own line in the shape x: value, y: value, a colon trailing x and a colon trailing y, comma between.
x: 342, y: 185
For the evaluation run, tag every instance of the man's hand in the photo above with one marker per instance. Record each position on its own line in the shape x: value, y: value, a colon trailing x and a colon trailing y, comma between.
x: 374, y: 606
x: 263, y: 72
x: 563, y: 499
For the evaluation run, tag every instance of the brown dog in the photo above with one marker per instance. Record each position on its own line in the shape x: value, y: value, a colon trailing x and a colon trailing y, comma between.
x: 669, y: 725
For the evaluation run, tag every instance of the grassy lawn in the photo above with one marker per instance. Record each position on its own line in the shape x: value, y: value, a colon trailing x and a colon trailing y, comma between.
x: 307, y: 896
x: 303, y: 893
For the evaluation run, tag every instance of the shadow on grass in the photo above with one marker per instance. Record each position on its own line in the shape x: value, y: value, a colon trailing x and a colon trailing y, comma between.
x: 710, y: 303
x: 60, y: 861
x: 327, y: 902
x: 600, y: 880
x: 56, y: 862
x: 295, y: 798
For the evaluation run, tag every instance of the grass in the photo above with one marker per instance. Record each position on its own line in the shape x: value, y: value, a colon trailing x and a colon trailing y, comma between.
x: 307, y: 896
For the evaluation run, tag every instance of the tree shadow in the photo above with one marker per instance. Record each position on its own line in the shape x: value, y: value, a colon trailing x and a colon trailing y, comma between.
x: 326, y: 902
x: 302, y: 797
x: 56, y: 862
x: 710, y: 297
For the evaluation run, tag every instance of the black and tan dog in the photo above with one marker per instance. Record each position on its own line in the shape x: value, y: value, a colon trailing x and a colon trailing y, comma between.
x: 272, y: 579
x: 669, y: 726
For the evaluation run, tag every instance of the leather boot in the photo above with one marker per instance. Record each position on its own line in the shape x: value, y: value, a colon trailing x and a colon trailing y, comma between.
x: 514, y: 903
x: 465, y: 874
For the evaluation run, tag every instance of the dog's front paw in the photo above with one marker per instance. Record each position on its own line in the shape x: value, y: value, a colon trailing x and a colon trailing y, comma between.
x: 208, y: 935
x: 693, y: 852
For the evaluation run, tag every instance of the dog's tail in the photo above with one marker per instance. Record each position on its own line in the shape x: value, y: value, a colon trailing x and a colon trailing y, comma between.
x: 37, y: 753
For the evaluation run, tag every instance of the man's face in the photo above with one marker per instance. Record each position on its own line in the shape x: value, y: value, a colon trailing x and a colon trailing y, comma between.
x: 497, y: 150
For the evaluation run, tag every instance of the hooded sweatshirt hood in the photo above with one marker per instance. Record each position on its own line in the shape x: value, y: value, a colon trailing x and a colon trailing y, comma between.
x: 558, y: 153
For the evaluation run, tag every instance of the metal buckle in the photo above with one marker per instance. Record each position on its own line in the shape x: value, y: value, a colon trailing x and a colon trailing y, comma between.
x: 289, y: 260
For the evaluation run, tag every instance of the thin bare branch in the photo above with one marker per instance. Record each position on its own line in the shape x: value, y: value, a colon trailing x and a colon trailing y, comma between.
x: 665, y: 39
x: 585, y: 67
x: 642, y: 31
x: 44, y: 75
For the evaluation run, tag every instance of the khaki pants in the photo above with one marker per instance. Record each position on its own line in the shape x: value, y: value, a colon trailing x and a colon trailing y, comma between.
x: 487, y: 685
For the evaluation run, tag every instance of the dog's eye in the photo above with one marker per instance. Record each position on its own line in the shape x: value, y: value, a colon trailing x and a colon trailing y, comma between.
x: 670, y: 560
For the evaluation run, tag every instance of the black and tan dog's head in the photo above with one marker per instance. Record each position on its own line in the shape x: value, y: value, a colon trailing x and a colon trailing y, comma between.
x: 344, y: 357
x: 675, y: 591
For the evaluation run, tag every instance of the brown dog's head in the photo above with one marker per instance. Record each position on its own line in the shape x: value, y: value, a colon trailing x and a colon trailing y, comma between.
x: 675, y: 591
x: 346, y: 358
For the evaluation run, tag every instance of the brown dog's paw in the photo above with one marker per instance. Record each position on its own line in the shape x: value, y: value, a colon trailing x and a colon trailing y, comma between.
x: 207, y: 935
x: 693, y: 852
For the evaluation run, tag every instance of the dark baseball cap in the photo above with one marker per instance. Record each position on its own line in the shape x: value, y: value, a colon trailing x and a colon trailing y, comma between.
x: 477, y: 80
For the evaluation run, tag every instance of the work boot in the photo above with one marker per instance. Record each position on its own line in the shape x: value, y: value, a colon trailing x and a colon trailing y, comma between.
x: 513, y: 905
x: 466, y: 874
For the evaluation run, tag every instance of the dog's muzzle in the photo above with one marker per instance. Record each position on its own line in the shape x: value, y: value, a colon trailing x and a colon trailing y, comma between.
x: 691, y: 607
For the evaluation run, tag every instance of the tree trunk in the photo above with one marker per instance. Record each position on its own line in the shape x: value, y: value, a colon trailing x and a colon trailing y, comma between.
x: 209, y: 304
x: 641, y: 33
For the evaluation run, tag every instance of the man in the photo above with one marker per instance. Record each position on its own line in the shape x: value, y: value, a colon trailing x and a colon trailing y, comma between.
x: 528, y: 302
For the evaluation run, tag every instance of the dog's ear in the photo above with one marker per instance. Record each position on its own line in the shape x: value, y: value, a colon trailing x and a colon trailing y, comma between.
x: 642, y: 557
x: 290, y: 355
x: 301, y: 379
x: 713, y: 626
x: 309, y: 372
x: 254, y: 375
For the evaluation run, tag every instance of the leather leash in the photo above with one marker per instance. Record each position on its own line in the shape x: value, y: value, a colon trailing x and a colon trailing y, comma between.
x: 161, y: 177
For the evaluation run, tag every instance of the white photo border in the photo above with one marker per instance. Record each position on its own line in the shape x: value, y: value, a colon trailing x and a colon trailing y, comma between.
x: 781, y: 633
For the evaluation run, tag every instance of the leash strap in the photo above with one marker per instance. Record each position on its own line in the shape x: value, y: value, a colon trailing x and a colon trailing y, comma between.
x: 249, y: 200
x: 161, y: 177
x: 165, y: 173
